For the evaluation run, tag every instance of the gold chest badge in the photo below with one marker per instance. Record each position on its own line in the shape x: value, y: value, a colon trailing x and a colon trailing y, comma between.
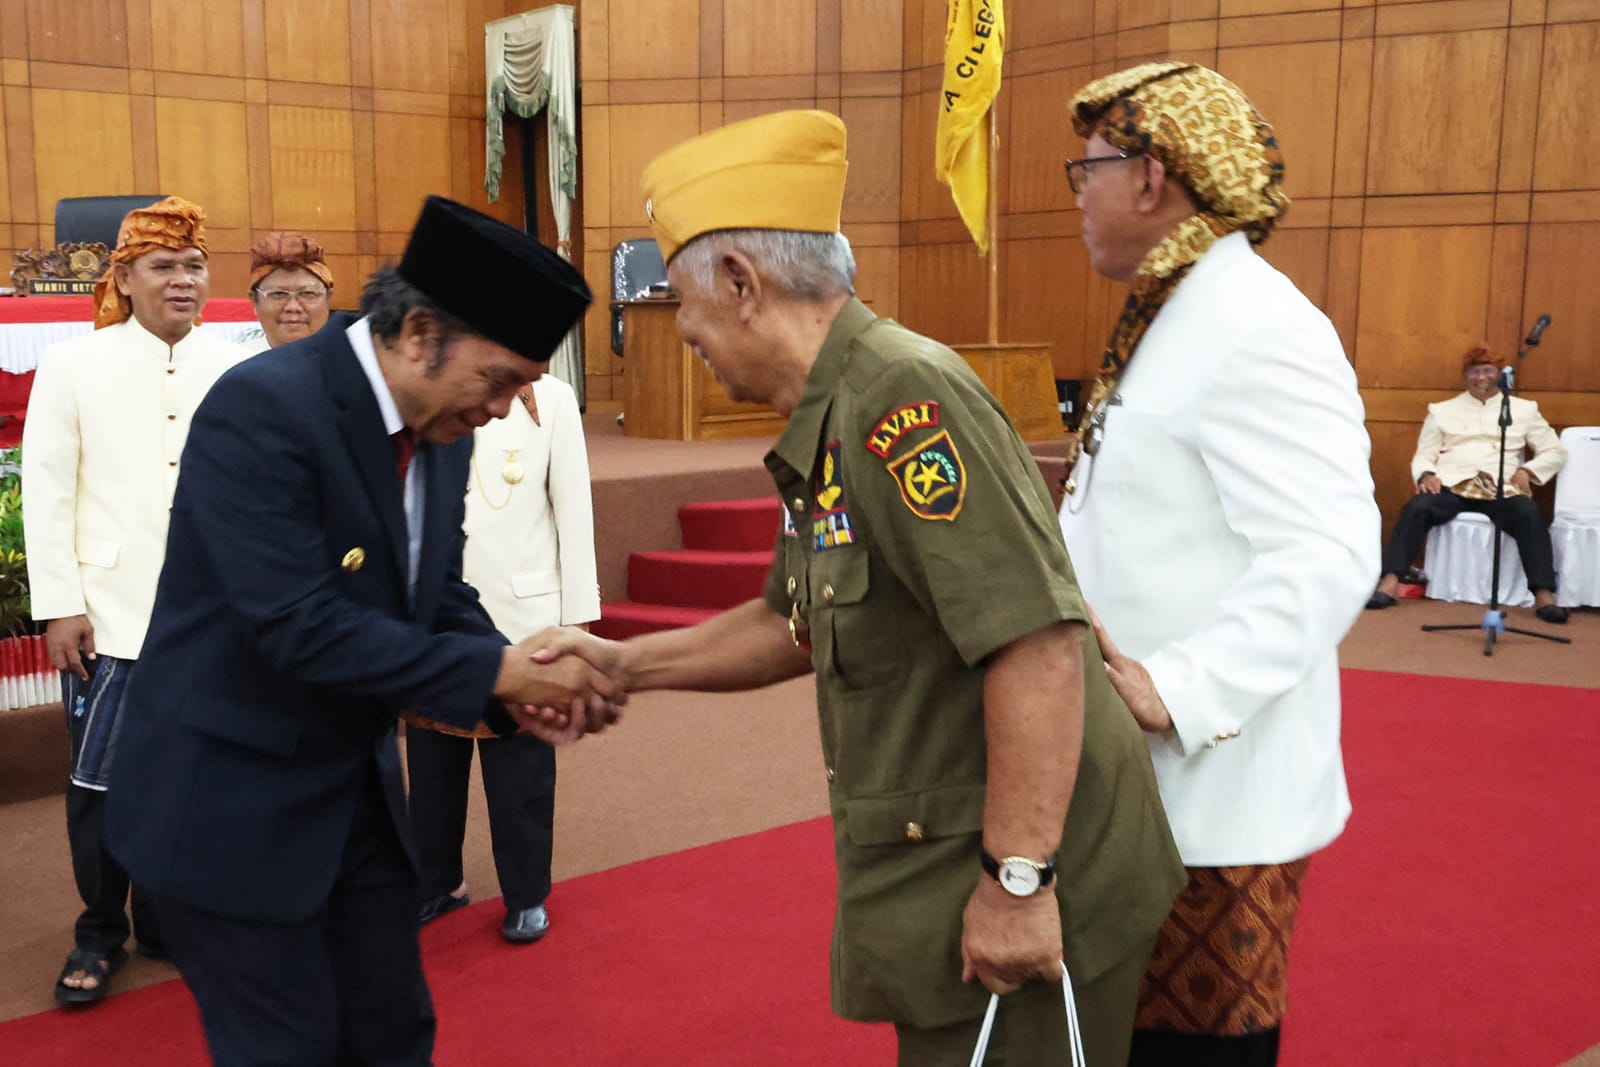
x: 353, y: 559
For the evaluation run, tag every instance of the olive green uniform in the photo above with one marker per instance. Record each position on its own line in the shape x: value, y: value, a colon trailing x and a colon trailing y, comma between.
x: 919, y: 539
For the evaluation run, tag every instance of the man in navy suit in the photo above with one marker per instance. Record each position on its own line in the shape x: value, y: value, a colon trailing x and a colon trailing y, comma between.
x: 312, y: 591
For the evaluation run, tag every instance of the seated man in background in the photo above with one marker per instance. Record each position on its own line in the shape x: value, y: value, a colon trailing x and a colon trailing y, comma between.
x: 1454, y: 471
x: 290, y: 286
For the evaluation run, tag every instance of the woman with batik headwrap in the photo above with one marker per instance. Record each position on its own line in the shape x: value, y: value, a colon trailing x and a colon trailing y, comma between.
x: 290, y: 286
x: 1221, y: 520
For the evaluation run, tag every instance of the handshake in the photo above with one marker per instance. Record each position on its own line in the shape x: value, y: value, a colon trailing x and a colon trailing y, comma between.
x: 563, y: 683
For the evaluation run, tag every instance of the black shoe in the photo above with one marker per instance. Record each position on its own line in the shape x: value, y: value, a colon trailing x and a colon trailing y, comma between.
x: 1379, y: 600
x: 432, y: 909
x: 1552, y: 613
x: 526, y: 926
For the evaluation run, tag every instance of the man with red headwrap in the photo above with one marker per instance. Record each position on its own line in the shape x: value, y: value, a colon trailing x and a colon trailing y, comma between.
x: 107, y: 422
x: 290, y: 286
x: 1454, y: 470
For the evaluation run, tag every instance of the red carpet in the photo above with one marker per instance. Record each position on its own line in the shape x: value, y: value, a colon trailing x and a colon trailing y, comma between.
x: 1454, y: 924
x: 727, y: 548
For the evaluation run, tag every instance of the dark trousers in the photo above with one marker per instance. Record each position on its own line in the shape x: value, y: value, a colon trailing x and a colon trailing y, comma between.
x: 1160, y: 1048
x: 1030, y: 1027
x: 519, y: 784
x: 344, y: 988
x: 102, y: 883
x: 1519, y: 517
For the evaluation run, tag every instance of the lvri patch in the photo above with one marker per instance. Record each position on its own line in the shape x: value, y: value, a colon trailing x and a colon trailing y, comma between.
x: 932, y: 479
x: 830, y: 522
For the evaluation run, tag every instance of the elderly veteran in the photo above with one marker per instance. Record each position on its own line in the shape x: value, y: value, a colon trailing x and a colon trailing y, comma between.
x: 1222, y: 519
x: 314, y: 591
x: 108, y: 417
x: 1457, y: 467
x: 993, y: 803
x: 290, y: 286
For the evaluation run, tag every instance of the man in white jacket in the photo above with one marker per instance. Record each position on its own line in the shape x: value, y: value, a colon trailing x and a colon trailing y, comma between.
x: 106, y: 425
x: 1455, y: 470
x: 530, y: 555
x: 1221, y: 521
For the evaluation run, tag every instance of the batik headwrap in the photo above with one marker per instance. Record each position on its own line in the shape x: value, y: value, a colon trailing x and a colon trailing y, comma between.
x: 172, y: 223
x: 288, y: 251
x: 1205, y: 132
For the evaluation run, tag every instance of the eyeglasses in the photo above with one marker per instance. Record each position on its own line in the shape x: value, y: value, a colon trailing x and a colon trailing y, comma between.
x: 1078, y: 169
x: 306, y: 297
x: 1483, y: 371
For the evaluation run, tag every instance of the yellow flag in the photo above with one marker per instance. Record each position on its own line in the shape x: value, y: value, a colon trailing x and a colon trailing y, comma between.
x: 974, y: 41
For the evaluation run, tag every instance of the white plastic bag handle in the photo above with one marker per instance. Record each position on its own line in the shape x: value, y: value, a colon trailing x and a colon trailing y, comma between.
x: 1074, y: 1031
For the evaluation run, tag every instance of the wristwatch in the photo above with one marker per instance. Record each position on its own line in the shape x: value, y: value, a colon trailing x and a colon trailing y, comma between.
x: 1018, y: 875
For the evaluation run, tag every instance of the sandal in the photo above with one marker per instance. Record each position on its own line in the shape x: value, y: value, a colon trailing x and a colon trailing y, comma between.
x: 91, y: 964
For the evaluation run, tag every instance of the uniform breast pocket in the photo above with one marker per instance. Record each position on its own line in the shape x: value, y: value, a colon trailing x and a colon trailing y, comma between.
x: 1144, y: 453
x: 862, y: 643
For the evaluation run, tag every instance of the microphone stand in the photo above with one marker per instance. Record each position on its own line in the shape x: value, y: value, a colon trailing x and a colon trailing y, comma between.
x: 1494, y: 620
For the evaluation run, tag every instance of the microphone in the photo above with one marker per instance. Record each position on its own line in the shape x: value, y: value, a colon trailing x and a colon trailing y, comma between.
x: 1537, y: 331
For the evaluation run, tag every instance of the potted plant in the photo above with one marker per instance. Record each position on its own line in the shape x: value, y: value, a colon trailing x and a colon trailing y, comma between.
x: 26, y: 677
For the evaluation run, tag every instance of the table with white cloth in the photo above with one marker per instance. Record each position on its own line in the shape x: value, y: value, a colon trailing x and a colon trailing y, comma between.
x: 30, y: 324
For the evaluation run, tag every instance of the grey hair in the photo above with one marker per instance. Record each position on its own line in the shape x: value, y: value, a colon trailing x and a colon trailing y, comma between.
x: 388, y: 298
x: 803, y: 266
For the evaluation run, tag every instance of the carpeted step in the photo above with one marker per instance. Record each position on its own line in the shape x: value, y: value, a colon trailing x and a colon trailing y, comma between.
x: 730, y: 525
x: 689, y: 579
x: 625, y: 618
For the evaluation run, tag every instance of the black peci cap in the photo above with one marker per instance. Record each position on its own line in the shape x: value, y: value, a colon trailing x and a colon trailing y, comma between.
x: 498, y: 280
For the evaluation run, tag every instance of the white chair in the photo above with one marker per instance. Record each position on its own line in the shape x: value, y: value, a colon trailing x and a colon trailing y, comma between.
x: 1575, y: 533
x: 1459, y: 563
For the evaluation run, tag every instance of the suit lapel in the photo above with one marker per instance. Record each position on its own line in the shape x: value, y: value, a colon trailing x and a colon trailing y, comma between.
x: 368, y: 443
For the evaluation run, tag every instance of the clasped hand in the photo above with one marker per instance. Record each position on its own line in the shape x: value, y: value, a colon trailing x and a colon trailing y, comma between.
x: 563, y: 683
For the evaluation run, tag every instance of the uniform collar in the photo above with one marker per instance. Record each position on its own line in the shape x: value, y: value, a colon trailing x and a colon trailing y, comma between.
x: 797, y: 446
x: 140, y: 339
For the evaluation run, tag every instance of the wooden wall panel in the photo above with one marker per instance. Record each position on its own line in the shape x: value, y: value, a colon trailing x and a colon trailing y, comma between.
x: 1303, y: 256
x: 1046, y: 294
x: 410, y: 42
x: 1568, y: 155
x: 82, y: 146
x: 640, y: 132
x: 872, y: 190
x: 1424, y: 301
x: 5, y: 174
x: 1566, y: 358
x: 869, y: 35
x: 313, y: 168
x: 1041, y: 140
x: 942, y: 294
x: 308, y: 41
x: 1043, y: 24
x: 655, y: 40
x: 187, y: 38
x: 1293, y: 85
x: 878, y: 279
x: 772, y: 37
x: 202, y: 155
x: 739, y: 110
x: 1436, y: 113
x: 407, y: 156
x: 93, y: 32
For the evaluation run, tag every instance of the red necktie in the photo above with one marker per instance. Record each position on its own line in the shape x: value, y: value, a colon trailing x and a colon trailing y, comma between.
x: 405, y: 446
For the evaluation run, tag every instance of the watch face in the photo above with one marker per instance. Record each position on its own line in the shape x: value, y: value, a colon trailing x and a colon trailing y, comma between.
x: 1019, y: 879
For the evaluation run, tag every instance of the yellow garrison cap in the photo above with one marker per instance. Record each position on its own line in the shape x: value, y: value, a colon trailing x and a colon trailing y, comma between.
x: 783, y: 171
